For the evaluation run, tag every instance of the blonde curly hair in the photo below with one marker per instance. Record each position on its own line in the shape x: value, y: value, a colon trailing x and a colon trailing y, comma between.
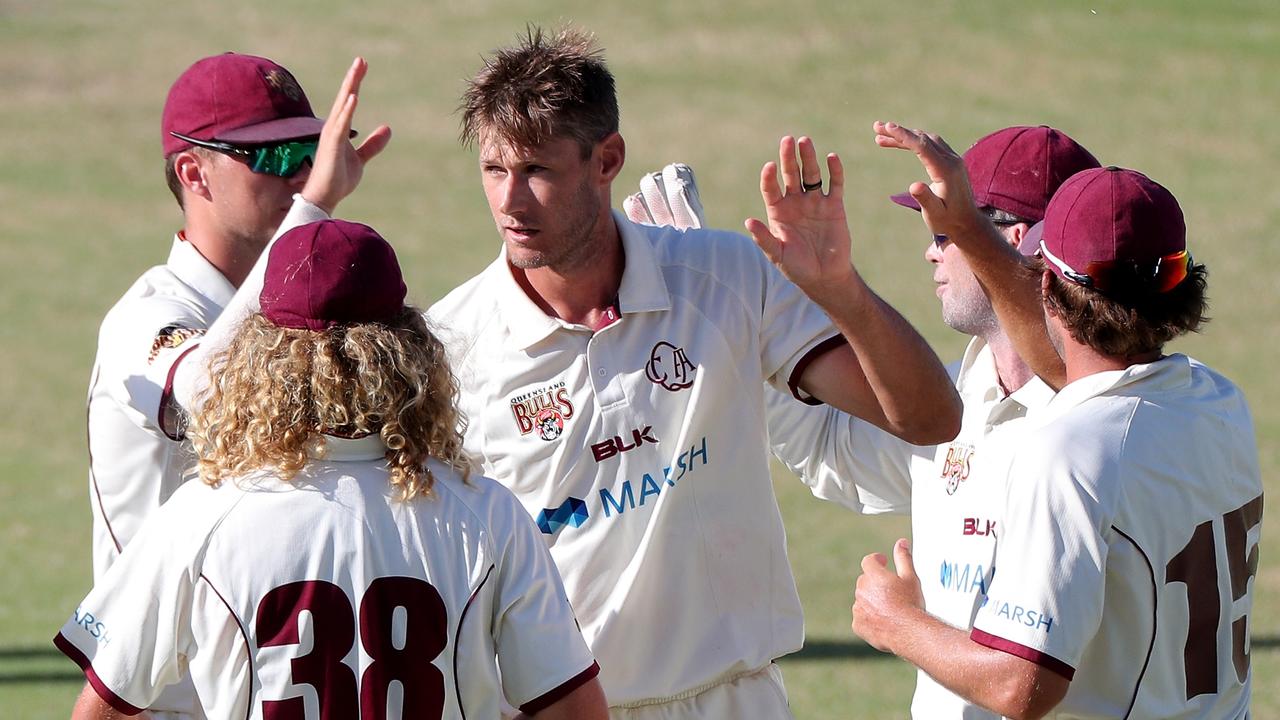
x: 276, y: 392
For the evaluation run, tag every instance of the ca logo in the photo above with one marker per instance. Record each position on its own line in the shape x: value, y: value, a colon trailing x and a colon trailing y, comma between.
x: 669, y: 367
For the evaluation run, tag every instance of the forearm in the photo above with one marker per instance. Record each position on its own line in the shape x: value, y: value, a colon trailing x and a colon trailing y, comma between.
x: 586, y: 702
x: 89, y: 706
x: 1000, y: 682
x: 898, y: 375
x: 1013, y: 287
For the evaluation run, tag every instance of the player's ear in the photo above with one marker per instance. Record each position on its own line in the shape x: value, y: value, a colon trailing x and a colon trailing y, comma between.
x: 190, y: 169
x: 1016, y: 233
x: 611, y: 153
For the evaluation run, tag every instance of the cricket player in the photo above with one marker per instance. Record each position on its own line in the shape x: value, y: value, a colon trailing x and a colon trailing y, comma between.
x: 954, y: 506
x: 238, y: 135
x: 336, y: 561
x: 1125, y: 556
x: 611, y: 374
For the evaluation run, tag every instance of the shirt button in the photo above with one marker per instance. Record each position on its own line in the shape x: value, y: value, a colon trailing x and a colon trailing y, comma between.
x: 602, y: 372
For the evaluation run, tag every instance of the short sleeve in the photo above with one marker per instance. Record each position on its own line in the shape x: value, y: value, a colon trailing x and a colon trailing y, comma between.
x: 1045, y: 600
x: 541, y: 652
x: 131, y: 635
x: 144, y: 343
x: 793, y: 331
x: 841, y: 458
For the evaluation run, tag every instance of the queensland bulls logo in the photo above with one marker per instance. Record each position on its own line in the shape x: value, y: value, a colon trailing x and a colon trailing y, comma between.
x: 669, y: 367
x: 955, y: 469
x: 545, y: 410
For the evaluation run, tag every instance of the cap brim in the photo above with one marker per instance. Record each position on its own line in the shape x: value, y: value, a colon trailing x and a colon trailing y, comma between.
x: 906, y: 201
x: 1030, y: 244
x: 293, y: 128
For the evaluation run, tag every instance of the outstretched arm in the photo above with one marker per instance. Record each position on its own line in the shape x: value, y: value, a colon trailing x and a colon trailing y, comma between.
x: 1010, y: 283
x: 887, y: 374
x: 336, y: 173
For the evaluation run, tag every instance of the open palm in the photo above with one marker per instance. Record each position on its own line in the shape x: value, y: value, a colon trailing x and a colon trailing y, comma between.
x: 807, y: 235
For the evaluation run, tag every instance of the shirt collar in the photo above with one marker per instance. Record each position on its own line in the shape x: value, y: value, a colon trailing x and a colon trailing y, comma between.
x: 193, y: 269
x: 978, y: 373
x: 643, y: 288
x: 338, y: 449
x: 1171, y: 370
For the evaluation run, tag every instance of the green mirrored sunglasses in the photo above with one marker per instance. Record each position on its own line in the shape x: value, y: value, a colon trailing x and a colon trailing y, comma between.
x: 282, y: 159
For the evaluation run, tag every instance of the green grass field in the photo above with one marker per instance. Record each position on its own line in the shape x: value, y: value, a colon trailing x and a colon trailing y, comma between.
x: 1184, y: 90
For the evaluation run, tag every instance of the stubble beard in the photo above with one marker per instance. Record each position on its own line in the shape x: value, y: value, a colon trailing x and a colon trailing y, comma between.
x: 975, y: 317
x: 577, y: 246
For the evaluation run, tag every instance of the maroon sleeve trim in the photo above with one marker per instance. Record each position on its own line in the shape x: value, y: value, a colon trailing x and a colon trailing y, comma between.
x: 1047, y: 662
x: 175, y: 429
x: 70, y: 650
x: 546, y: 700
x: 793, y: 382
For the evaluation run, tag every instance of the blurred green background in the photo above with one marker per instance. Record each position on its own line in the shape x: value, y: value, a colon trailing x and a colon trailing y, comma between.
x: 1186, y: 91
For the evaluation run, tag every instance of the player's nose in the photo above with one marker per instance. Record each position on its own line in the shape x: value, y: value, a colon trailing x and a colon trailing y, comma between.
x: 933, y: 253
x: 511, y: 194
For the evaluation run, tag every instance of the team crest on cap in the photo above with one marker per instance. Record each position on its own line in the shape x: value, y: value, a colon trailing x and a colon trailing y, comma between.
x: 169, y: 337
x: 955, y: 469
x: 544, y: 410
x: 283, y: 83
x: 669, y: 367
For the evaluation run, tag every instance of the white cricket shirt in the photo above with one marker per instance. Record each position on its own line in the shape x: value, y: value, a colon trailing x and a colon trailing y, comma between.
x: 640, y: 448
x: 136, y: 459
x: 955, y: 499
x: 1126, y: 556
x: 277, y: 598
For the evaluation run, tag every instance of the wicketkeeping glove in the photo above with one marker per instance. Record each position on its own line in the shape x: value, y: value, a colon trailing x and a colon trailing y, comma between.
x: 667, y: 198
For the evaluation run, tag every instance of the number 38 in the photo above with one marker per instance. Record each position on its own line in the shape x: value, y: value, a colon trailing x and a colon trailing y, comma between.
x: 333, y: 628
x: 1196, y: 565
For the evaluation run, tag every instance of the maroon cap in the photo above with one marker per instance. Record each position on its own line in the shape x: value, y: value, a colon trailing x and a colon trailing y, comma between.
x: 1115, y: 230
x: 328, y: 273
x: 238, y: 99
x: 1018, y: 169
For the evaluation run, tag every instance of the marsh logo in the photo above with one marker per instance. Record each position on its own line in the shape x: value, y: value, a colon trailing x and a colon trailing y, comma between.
x: 1015, y: 613
x: 572, y: 512
x: 955, y: 469
x: 92, y: 625
x: 963, y: 577
x: 545, y: 409
x: 652, y: 484
x: 669, y: 367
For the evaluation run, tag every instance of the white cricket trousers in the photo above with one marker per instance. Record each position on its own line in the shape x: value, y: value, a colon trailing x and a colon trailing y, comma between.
x: 757, y: 695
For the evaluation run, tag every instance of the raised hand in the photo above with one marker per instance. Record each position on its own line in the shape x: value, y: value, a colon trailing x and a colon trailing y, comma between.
x: 806, y: 235
x: 338, y: 165
x: 947, y: 201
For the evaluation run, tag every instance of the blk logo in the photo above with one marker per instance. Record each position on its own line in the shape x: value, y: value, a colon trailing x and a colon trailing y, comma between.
x: 669, y: 367
x: 617, y: 445
x: 979, y: 527
x: 572, y: 512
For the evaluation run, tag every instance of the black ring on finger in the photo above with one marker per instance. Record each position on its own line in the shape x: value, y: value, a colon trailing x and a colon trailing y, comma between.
x: 806, y: 187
